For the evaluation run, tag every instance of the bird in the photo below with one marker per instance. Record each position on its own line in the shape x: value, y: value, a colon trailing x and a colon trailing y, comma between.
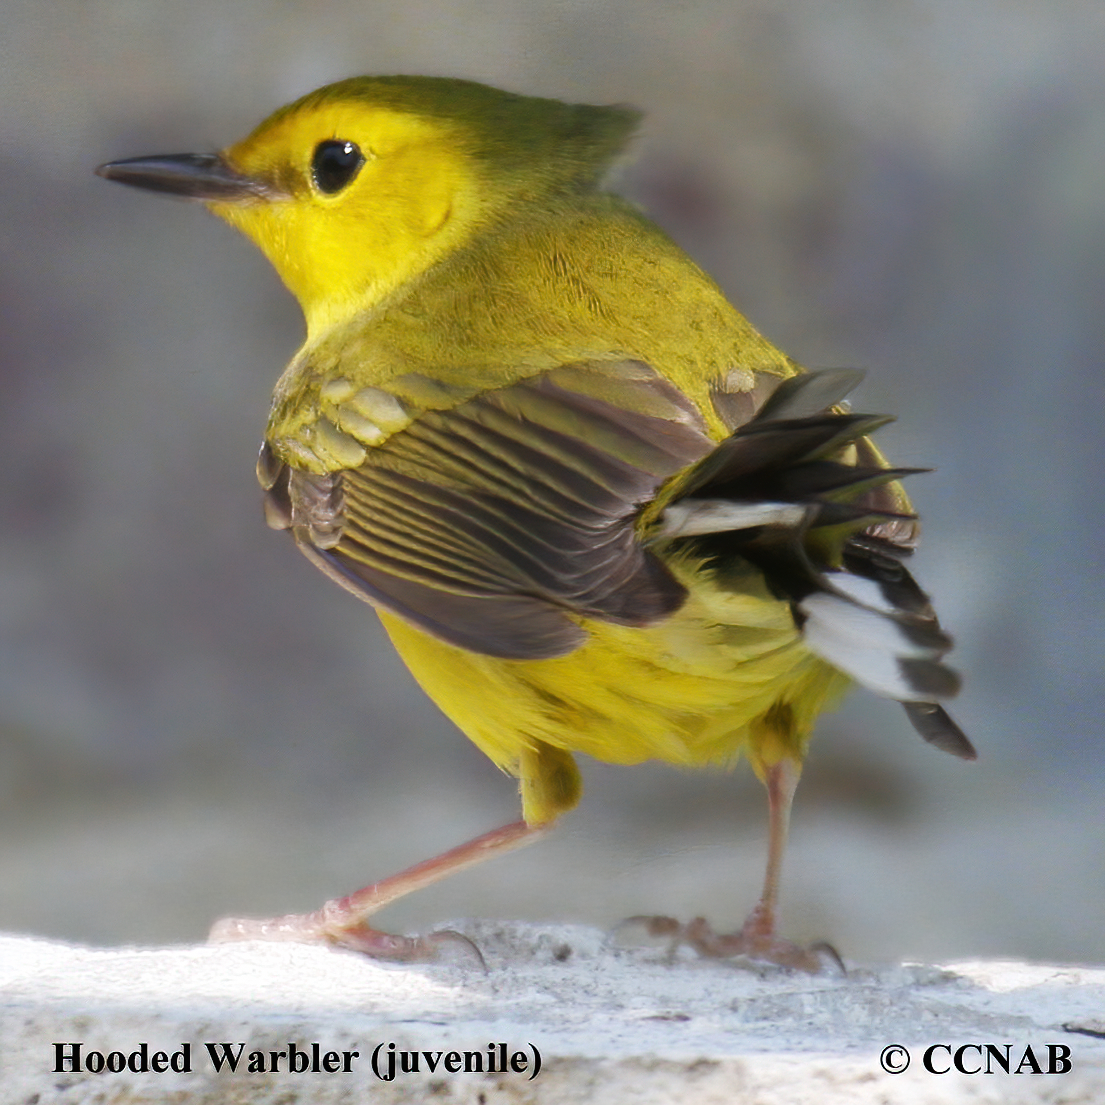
x: 596, y: 511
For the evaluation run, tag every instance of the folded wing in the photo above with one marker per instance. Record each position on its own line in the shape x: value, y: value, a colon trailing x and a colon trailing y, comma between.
x: 496, y: 524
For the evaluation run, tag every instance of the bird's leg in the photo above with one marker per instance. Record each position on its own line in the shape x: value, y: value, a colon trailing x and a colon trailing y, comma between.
x: 756, y: 938
x: 782, y: 781
x: 344, y: 921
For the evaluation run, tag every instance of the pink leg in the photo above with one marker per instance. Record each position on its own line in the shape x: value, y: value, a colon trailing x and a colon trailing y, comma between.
x: 344, y: 921
x: 782, y: 781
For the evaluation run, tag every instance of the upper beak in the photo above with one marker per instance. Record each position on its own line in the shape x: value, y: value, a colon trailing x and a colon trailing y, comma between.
x: 197, y: 176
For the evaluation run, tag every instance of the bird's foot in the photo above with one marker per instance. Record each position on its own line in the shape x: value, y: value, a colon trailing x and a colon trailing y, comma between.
x: 755, y: 940
x: 328, y: 926
x: 343, y: 922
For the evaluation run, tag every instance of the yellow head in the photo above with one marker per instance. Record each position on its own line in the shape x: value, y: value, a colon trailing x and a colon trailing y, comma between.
x: 360, y: 186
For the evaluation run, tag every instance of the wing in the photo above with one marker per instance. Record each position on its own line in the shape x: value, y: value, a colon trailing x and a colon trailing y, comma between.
x: 496, y: 524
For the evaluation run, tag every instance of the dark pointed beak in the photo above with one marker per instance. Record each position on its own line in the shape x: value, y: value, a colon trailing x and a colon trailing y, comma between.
x: 196, y: 176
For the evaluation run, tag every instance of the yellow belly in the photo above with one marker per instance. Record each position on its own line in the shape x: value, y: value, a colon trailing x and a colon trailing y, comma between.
x: 727, y: 675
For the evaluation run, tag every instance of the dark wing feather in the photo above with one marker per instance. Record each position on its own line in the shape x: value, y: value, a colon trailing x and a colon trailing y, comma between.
x: 492, y: 524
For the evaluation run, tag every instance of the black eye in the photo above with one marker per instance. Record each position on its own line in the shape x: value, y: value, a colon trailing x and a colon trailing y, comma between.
x: 335, y: 164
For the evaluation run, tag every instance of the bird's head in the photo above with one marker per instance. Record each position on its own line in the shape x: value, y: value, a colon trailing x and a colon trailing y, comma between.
x: 362, y: 185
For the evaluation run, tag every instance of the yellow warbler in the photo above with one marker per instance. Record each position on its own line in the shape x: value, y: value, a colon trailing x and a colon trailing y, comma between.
x: 596, y: 511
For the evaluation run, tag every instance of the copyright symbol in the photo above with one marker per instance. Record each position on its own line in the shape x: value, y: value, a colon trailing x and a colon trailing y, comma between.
x: 894, y: 1059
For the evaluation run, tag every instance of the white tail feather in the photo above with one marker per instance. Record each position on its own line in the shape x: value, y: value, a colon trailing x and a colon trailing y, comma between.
x: 864, y: 591
x: 694, y: 516
x: 867, y: 645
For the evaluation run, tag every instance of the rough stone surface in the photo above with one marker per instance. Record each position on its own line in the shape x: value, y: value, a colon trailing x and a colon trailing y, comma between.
x: 610, y: 1022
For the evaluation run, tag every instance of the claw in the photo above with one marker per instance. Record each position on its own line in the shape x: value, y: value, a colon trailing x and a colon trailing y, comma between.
x: 403, y: 949
x: 825, y: 949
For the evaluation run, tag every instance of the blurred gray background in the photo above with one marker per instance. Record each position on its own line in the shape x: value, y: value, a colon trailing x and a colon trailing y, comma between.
x: 195, y: 722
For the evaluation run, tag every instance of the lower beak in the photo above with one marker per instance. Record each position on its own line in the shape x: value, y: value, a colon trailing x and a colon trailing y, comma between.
x: 196, y: 176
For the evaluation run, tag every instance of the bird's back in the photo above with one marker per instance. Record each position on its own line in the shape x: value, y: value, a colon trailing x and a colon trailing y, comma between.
x: 582, y: 278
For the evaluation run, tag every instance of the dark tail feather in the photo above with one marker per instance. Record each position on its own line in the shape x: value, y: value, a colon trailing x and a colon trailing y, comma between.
x: 776, y: 493
x: 935, y: 726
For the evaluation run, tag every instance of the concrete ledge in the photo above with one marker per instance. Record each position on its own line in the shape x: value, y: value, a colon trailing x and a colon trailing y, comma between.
x: 608, y: 1024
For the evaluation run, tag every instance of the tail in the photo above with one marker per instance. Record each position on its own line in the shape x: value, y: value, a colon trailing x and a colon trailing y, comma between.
x: 800, y: 492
